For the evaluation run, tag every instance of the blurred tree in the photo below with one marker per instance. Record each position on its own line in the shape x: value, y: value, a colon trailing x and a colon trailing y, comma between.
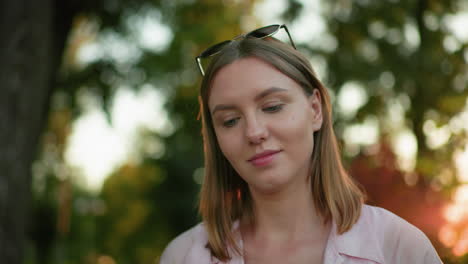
x: 29, y: 40
x: 34, y: 35
x: 405, y: 56
x: 133, y: 227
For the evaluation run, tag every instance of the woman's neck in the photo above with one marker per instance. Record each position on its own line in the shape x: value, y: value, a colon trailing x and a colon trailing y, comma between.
x: 287, y: 215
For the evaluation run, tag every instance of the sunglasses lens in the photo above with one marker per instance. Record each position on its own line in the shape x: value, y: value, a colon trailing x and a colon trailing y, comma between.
x: 214, y: 49
x: 264, y: 31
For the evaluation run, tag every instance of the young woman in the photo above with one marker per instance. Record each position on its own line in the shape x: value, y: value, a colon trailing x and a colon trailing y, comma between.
x: 275, y: 190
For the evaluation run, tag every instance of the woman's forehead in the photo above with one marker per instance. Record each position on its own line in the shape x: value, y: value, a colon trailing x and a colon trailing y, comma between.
x: 245, y: 79
x: 247, y: 72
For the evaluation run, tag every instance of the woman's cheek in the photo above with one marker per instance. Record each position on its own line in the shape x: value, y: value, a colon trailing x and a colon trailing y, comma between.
x: 297, y: 128
x: 226, y: 142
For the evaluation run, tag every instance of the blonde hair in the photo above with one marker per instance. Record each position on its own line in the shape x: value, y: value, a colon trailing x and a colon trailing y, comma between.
x: 225, y: 196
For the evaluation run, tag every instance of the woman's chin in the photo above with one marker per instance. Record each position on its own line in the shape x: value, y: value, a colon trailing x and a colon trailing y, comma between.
x: 269, y: 186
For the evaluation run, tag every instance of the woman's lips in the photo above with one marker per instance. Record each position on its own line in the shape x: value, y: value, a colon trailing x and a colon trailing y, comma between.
x: 264, y: 158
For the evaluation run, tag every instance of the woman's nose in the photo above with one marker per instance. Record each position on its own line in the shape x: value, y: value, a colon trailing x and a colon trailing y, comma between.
x: 256, y: 131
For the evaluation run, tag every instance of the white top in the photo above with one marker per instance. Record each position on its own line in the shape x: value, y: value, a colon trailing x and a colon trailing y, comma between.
x: 378, y: 236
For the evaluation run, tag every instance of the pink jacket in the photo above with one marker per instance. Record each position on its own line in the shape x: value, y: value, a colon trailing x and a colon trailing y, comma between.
x: 379, y: 236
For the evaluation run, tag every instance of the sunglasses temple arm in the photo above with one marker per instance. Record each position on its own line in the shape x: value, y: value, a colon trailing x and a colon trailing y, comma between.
x: 289, y: 35
x: 200, y: 67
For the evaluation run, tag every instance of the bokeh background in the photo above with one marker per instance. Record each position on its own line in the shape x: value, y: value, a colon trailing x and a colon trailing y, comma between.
x: 101, y: 153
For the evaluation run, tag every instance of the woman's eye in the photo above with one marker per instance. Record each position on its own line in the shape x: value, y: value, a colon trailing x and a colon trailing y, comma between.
x: 230, y: 122
x: 273, y: 109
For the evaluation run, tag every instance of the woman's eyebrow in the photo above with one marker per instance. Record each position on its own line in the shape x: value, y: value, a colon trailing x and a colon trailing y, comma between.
x: 268, y: 92
x: 221, y: 107
x: 258, y: 97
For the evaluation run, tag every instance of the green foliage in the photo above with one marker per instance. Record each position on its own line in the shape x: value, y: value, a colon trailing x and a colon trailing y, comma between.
x: 133, y: 228
x: 398, y: 50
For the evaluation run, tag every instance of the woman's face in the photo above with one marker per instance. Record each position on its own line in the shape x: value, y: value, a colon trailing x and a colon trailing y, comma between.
x: 264, y: 123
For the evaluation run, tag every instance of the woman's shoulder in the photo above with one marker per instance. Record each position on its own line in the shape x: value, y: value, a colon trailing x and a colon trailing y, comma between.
x: 389, y: 224
x: 189, y: 245
x: 393, y: 232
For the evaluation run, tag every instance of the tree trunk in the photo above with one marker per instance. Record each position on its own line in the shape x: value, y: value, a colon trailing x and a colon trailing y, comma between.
x: 26, y: 73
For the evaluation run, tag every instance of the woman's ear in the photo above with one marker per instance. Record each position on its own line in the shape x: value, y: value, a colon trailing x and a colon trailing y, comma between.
x: 315, y: 101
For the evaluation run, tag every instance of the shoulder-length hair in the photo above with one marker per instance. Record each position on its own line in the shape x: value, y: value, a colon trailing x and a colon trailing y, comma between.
x: 225, y: 196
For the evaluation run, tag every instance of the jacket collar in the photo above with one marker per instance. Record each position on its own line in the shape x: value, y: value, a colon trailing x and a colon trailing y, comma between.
x: 360, y: 241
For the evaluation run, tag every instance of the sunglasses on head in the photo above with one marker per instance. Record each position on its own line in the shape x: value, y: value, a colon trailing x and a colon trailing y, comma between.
x: 259, y: 33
